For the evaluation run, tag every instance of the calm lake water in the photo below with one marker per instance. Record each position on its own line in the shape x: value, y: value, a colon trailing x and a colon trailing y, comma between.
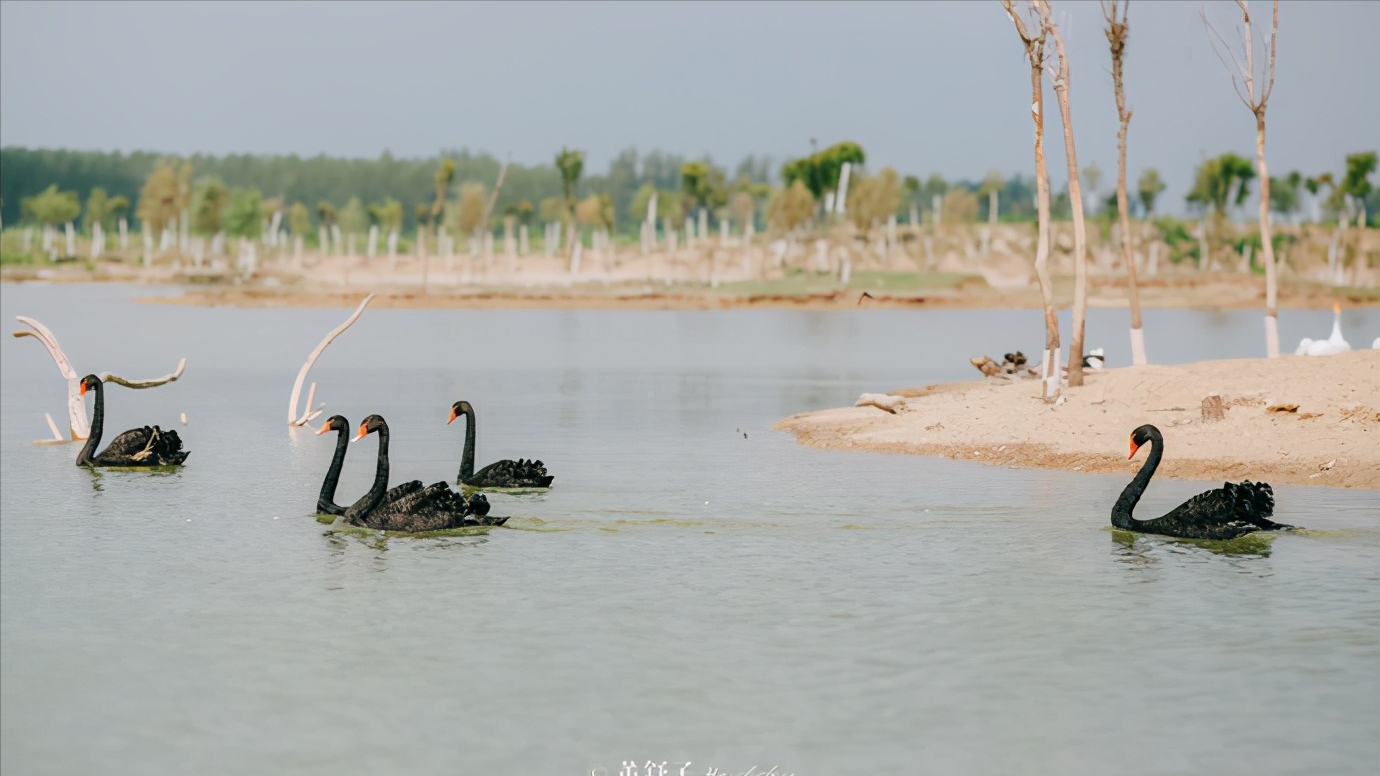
x: 698, y: 588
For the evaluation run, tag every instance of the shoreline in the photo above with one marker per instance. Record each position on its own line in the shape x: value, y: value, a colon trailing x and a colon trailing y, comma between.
x: 1212, y: 291
x: 1331, y: 436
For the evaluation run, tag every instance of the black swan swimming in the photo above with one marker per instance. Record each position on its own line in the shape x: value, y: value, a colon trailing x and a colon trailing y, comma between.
x: 410, y: 507
x: 325, y: 502
x: 1228, y: 512
x: 147, y: 446
x: 499, y: 474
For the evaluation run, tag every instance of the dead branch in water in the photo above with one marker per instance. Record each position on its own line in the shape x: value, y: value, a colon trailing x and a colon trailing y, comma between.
x: 308, y: 413
x: 78, y: 423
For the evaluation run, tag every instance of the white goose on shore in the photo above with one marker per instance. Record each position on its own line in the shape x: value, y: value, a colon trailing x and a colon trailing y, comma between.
x: 1332, y: 345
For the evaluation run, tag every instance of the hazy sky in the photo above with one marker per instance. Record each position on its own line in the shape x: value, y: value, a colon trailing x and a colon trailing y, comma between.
x: 923, y: 86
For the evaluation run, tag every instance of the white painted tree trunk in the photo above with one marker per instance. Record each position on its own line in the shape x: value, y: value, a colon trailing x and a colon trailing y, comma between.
x: 298, y: 248
x: 723, y: 233
x: 575, y: 257
x: 1138, y: 346
x: 323, y: 240
x: 218, y: 245
x: 937, y: 210
x: 273, y: 225
x: 702, y: 233
x: 199, y: 252
x: 842, y: 197
x: 421, y: 243
x: 148, y: 246
x: 124, y: 234
x: 373, y: 245
x: 524, y: 241
x: 1153, y: 265
x: 1334, y: 247
x: 97, y: 241
x: 1202, y: 246
x: 184, y: 235
x: 71, y: 235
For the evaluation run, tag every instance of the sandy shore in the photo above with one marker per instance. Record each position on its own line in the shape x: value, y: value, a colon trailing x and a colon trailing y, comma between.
x: 1330, y: 437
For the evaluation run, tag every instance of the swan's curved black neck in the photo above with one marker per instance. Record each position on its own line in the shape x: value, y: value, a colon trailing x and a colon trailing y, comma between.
x: 370, y: 501
x: 326, y: 501
x: 467, y: 457
x: 1126, y: 502
x: 93, y: 439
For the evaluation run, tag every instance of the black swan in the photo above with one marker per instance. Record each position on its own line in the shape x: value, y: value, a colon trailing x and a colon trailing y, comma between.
x: 137, y: 447
x: 499, y: 474
x: 410, y: 507
x: 1228, y: 512
x: 325, y: 502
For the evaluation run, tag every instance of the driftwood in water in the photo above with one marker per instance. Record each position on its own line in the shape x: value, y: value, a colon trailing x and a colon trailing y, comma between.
x: 308, y: 413
x: 79, y: 426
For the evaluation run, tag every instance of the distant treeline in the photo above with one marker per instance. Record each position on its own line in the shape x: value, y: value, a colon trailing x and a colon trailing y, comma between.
x: 25, y: 172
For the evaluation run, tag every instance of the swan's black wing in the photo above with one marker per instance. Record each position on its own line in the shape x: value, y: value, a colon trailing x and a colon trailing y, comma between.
x: 432, y: 508
x: 396, y: 492
x: 477, y: 509
x: 124, y: 448
x: 1233, y: 510
x: 511, y: 474
x: 167, y: 447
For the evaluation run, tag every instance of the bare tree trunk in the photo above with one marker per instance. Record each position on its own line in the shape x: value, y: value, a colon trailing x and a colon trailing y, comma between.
x: 1267, y: 248
x: 1080, y: 235
x: 1257, y: 105
x: 1117, y: 30
x: 1035, y: 57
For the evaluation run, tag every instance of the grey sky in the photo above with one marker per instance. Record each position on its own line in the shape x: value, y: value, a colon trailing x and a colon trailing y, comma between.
x: 923, y: 86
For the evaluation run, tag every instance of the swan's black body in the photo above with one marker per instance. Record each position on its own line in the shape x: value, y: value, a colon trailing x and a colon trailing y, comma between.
x: 499, y: 474
x: 411, y: 507
x: 138, y: 447
x: 1228, y: 512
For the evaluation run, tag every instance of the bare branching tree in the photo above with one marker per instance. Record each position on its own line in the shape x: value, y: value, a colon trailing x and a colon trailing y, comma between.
x: 1117, y: 34
x: 1243, y: 79
x: 1080, y: 234
x: 1035, y: 57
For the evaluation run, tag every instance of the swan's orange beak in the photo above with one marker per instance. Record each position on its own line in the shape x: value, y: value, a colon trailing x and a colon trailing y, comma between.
x: 363, y: 430
x: 82, y: 392
x: 323, y: 429
x: 453, y: 416
x: 1134, y: 448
